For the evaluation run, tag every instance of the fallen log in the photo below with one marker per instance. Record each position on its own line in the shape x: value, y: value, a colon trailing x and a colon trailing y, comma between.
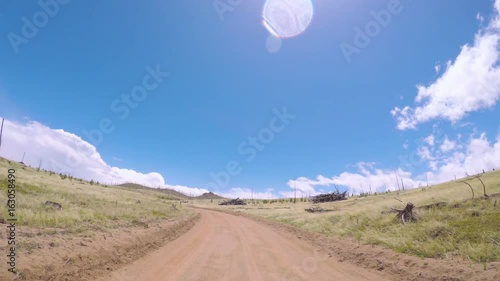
x: 57, y: 206
x: 317, y: 209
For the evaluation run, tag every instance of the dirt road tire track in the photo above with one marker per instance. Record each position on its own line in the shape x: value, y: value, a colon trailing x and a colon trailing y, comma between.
x: 392, y: 265
x: 223, y: 246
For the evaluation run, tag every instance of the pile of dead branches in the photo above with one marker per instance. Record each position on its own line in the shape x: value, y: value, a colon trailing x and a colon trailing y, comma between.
x: 329, y: 197
x: 236, y: 201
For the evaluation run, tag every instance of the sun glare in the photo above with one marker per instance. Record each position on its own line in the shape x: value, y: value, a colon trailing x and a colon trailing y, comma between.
x: 287, y: 18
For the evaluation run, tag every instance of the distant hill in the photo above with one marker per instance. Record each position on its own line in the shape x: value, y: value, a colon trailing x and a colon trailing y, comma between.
x: 209, y: 195
x: 173, y: 193
x: 167, y: 191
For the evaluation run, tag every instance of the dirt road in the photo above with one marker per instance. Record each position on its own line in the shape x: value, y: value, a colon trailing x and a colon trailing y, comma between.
x: 228, y: 247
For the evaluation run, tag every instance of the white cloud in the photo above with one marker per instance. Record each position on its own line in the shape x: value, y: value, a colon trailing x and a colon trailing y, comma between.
x: 430, y: 140
x: 189, y: 191
x: 377, y: 179
x: 433, y: 165
x: 406, y: 145
x: 479, y: 18
x: 307, y: 186
x: 496, y: 22
x: 246, y: 193
x: 448, y: 145
x: 425, y: 153
x: 455, y: 158
x: 67, y: 153
x: 477, y: 155
x: 470, y: 83
x: 437, y: 68
x: 368, y: 178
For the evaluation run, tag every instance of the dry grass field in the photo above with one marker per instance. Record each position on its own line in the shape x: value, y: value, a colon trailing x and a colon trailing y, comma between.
x: 98, y: 227
x: 115, y: 225
x: 84, y: 204
x: 464, y: 228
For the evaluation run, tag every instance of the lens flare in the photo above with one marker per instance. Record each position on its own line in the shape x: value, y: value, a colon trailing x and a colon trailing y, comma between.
x: 273, y: 44
x: 287, y: 18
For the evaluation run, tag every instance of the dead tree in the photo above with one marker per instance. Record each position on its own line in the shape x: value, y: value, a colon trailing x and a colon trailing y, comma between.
x: 471, y: 189
x: 484, y: 187
x: 406, y: 215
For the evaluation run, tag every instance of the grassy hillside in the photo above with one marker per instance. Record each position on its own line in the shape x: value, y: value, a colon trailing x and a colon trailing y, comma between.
x: 210, y: 196
x: 172, y: 194
x: 84, y: 204
x: 464, y: 227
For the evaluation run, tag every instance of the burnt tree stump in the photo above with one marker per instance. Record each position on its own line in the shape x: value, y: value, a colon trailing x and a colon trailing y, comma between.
x: 406, y: 215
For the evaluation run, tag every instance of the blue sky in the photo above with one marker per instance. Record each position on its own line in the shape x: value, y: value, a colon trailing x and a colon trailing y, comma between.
x: 355, y: 117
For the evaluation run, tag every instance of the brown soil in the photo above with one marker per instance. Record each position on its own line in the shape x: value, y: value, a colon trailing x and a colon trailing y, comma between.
x: 52, y: 254
x: 389, y: 264
x: 227, y: 246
